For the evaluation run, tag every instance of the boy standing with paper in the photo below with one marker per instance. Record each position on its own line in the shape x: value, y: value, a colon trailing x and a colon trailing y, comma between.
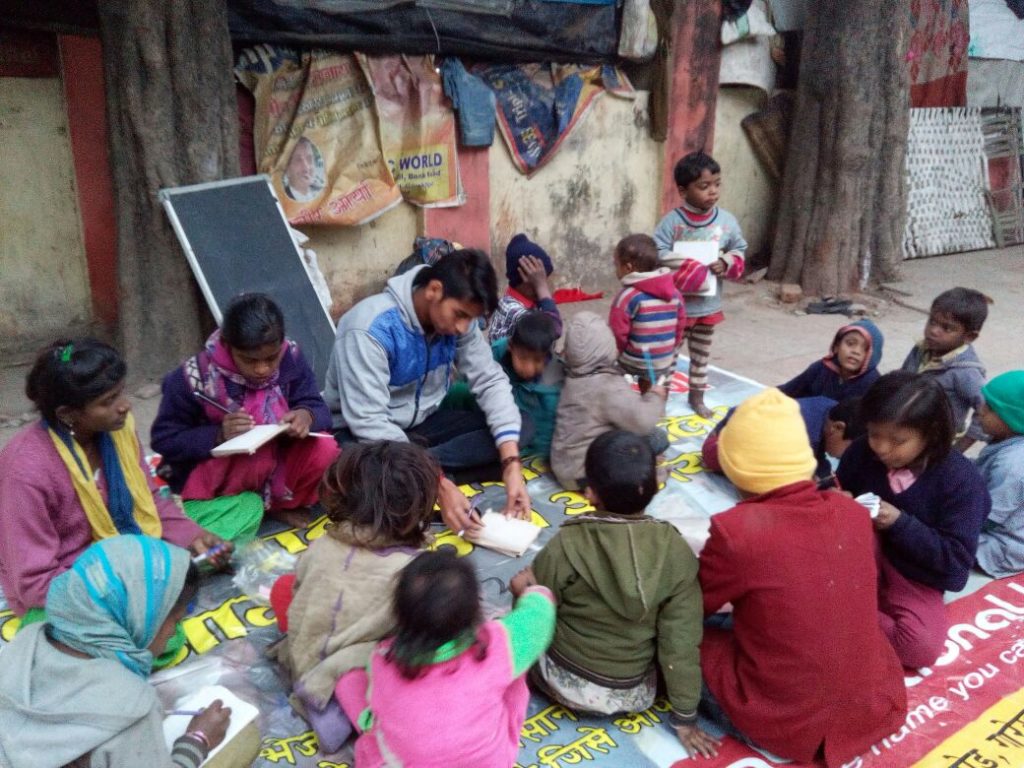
x: 701, y: 243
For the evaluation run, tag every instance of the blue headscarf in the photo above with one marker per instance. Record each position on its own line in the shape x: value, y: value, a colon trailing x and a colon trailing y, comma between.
x: 115, y: 597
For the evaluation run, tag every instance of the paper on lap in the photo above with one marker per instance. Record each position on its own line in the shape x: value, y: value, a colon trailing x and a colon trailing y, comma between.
x: 251, y: 441
x: 242, y: 714
x: 704, y: 251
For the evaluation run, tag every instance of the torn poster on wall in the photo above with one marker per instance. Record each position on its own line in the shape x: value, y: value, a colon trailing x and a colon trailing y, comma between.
x: 315, y: 135
x: 540, y: 104
x: 416, y: 125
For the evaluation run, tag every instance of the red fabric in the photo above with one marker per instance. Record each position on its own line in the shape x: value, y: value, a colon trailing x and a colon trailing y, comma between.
x: 937, y: 53
x: 570, y: 295
x: 709, y: 453
x: 713, y: 319
x: 806, y: 665
x: 912, y: 615
x: 291, y: 468
x: 281, y: 595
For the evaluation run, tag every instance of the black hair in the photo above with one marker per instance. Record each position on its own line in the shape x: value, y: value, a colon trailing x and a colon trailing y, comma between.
x: 690, y: 167
x: 189, y: 589
x: 620, y: 468
x: 534, y: 331
x: 639, y: 250
x: 252, y: 320
x: 915, y: 401
x: 966, y: 305
x: 848, y: 412
x: 437, y: 600
x: 386, y: 487
x: 73, y: 373
x: 466, y: 275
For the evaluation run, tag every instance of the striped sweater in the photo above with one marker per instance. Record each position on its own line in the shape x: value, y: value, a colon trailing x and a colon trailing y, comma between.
x: 648, y: 315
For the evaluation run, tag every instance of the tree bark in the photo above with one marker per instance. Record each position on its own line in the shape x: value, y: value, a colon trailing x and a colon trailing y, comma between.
x: 172, y: 121
x: 844, y: 193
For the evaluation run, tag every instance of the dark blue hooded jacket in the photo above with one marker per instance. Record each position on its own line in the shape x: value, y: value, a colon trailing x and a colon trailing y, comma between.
x: 822, y: 379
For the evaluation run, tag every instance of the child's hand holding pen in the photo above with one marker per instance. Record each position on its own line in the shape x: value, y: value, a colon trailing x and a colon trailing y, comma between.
x: 235, y: 423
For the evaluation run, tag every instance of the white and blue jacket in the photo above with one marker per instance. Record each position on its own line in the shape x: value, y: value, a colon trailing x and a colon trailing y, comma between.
x: 386, y: 375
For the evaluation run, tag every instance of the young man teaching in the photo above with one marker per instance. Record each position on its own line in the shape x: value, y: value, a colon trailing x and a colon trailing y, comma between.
x: 392, y: 364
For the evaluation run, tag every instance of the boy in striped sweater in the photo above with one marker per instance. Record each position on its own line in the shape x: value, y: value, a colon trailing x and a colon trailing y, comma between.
x: 648, y: 317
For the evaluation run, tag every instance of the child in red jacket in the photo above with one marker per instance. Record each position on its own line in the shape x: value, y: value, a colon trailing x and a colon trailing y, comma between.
x: 805, y: 671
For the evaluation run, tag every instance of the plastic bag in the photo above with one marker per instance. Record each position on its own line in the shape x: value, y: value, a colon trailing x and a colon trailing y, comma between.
x: 638, y: 39
x: 258, y: 565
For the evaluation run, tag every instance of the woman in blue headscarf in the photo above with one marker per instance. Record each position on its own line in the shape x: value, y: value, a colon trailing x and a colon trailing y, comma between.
x: 74, y: 690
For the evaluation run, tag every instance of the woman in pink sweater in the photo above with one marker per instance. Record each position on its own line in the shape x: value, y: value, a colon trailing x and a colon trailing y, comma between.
x: 443, y: 652
x: 77, y: 475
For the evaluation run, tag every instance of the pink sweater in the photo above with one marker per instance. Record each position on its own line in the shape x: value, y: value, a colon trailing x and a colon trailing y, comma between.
x: 43, y: 527
x: 465, y: 712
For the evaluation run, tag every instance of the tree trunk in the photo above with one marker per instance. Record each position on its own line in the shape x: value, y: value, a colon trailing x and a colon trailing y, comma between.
x: 173, y: 121
x: 844, y: 194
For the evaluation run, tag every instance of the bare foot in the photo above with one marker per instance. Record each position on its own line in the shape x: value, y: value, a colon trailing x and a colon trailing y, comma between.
x: 696, y: 399
x: 296, y: 518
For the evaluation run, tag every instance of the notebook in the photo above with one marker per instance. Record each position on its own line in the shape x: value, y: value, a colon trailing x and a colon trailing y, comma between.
x: 251, y: 441
x: 507, y: 535
x: 242, y: 738
x: 704, y: 251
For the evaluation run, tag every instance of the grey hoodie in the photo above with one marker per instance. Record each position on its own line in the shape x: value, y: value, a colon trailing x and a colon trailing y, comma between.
x: 386, y: 375
x: 595, y: 398
x: 961, y: 376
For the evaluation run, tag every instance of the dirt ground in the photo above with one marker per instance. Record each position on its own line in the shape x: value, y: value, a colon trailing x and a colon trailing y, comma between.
x: 762, y: 338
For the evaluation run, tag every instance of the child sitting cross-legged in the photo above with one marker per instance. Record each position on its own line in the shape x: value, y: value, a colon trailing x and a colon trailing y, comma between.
x: 595, y: 398
x: 1001, y: 463
x: 849, y: 368
x: 379, y: 497
x: 448, y: 689
x: 627, y: 594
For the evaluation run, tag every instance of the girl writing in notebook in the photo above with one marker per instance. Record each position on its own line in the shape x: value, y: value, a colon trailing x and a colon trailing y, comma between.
x: 249, y: 373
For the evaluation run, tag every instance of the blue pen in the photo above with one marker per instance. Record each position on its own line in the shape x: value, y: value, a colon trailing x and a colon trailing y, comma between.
x: 650, y: 367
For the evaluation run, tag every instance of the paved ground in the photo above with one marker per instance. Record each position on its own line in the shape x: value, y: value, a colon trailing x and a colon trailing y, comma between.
x: 762, y: 338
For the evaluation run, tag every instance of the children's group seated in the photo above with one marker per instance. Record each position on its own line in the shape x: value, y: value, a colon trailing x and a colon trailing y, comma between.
x: 789, y: 630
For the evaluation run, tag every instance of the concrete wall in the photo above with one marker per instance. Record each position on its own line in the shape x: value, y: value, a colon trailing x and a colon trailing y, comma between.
x: 45, y: 287
x: 748, y: 191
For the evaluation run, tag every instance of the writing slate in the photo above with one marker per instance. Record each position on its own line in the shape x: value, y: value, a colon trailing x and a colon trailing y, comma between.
x: 236, y: 240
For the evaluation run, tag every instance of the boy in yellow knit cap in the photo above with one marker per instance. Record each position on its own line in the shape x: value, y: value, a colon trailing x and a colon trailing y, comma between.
x: 805, y: 670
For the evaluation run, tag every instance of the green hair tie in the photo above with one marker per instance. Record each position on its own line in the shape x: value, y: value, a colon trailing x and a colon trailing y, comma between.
x: 65, y: 354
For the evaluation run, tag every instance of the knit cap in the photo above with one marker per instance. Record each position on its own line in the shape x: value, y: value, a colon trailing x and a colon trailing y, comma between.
x: 520, y: 246
x: 764, y: 446
x: 1005, y: 395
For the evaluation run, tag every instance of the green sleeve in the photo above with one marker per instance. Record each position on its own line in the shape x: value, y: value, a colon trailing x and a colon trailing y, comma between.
x: 530, y: 627
x: 680, y: 628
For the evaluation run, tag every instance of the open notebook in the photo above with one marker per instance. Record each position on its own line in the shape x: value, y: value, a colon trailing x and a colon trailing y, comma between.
x: 251, y: 441
x: 704, y: 251
x: 242, y: 741
x: 507, y: 535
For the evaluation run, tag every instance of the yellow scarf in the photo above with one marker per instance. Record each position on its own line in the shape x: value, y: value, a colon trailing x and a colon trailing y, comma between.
x: 127, y: 445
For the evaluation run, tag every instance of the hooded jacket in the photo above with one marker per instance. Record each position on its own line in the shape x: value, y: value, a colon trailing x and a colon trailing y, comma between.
x: 595, y: 398
x: 822, y: 378
x: 386, y: 375
x: 648, y: 315
x: 962, y: 375
x: 626, y: 591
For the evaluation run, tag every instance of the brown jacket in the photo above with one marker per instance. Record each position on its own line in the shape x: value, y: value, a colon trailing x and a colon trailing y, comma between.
x: 595, y: 398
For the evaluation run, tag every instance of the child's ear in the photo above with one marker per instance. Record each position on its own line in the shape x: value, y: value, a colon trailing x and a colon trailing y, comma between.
x: 839, y: 427
x: 591, y: 495
x: 971, y: 336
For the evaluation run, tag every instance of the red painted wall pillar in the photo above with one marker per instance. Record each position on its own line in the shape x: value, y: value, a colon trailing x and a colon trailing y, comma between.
x: 82, y: 71
x: 469, y: 224
x: 696, y: 55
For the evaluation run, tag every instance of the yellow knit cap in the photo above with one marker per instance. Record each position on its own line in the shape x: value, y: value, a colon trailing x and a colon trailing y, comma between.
x: 764, y: 446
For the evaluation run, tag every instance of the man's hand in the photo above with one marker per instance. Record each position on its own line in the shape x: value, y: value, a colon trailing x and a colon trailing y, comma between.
x: 456, y: 511
x: 887, y: 515
x: 696, y: 742
x: 517, y: 503
x: 531, y: 269
x: 299, y: 421
x: 521, y: 581
x: 235, y: 424
x: 207, y: 542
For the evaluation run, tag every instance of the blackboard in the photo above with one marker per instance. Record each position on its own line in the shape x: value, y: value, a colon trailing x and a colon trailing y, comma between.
x: 236, y: 240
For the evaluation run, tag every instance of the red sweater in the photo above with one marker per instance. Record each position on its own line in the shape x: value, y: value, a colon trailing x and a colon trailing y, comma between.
x: 806, y: 665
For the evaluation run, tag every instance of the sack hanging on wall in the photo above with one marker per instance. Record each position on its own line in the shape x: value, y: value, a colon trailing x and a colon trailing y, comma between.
x: 638, y: 39
x: 416, y: 126
x: 315, y: 135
